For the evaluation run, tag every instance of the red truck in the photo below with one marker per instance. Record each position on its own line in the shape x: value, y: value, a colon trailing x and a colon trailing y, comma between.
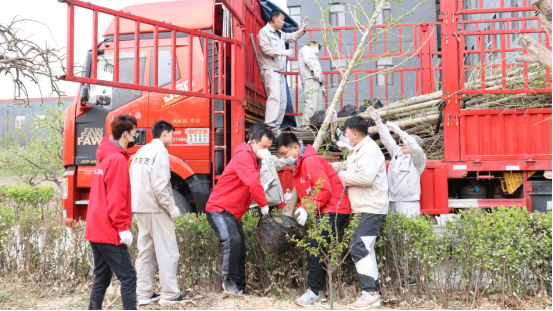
x: 197, y: 69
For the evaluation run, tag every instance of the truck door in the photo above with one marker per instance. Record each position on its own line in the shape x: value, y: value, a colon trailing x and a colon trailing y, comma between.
x: 106, y: 101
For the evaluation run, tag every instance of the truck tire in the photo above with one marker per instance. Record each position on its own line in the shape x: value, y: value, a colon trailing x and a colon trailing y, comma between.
x: 183, y: 205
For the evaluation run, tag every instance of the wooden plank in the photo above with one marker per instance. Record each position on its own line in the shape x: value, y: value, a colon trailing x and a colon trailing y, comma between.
x: 255, y: 107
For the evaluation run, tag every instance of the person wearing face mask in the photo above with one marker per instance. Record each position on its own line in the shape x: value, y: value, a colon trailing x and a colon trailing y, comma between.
x: 109, y: 215
x: 269, y: 172
x: 405, y: 169
x: 312, y: 80
x: 331, y: 198
x: 272, y: 60
x: 364, y: 175
x: 229, y: 201
x: 154, y: 209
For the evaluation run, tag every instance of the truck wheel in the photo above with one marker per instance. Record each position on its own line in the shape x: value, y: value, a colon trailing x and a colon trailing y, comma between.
x: 183, y: 205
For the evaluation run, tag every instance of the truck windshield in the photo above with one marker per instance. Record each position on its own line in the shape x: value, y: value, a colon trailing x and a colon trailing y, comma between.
x: 110, y: 98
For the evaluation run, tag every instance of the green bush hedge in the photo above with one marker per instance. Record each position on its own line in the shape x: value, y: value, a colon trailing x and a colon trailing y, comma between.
x: 506, y: 252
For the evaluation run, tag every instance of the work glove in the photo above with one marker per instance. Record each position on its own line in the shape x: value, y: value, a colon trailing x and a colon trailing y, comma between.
x: 175, y: 213
x: 287, y: 52
x: 374, y: 115
x: 342, y: 145
x: 334, y: 118
x: 394, y: 128
x: 302, y: 216
x: 343, y: 178
x: 317, y: 75
x: 288, y: 195
x: 126, y: 237
x: 304, y: 26
x: 265, y: 210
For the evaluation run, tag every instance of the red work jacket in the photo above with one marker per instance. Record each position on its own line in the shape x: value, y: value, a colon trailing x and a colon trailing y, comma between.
x: 238, y: 185
x: 312, y: 167
x: 109, y: 205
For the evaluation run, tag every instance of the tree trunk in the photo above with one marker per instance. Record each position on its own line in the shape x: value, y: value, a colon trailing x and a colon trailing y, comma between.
x: 330, y: 287
x: 291, y: 204
x: 536, y: 49
x: 408, y: 122
x: 538, y: 52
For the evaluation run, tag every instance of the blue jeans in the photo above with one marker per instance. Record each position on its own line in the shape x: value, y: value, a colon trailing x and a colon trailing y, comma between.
x: 109, y: 259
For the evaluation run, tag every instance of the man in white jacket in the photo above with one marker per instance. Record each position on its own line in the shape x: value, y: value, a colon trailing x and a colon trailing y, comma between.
x: 364, y: 175
x: 405, y: 169
x: 154, y: 209
x: 272, y: 59
x: 312, y: 80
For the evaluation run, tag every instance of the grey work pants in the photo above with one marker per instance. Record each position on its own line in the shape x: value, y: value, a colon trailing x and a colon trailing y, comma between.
x: 157, y: 247
x: 410, y: 209
x: 276, y: 103
x: 313, y: 99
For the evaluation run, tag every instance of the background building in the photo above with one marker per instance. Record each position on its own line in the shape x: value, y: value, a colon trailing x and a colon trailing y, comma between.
x: 16, y: 121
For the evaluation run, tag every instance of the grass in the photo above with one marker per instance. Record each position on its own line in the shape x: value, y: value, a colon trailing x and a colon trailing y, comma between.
x: 6, y: 173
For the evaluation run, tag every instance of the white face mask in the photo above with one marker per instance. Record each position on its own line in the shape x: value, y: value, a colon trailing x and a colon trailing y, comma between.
x: 263, y: 154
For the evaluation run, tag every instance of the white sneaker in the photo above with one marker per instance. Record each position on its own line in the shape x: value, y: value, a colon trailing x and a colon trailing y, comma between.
x: 367, y: 300
x: 155, y: 297
x: 308, y: 299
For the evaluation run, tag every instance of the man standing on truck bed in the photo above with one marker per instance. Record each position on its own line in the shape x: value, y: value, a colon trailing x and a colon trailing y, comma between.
x: 230, y: 200
x: 405, y: 169
x: 109, y: 215
x: 312, y: 80
x: 154, y: 208
x: 272, y: 58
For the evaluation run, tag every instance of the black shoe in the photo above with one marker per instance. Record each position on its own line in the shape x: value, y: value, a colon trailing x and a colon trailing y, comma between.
x: 179, y: 299
x: 412, y: 282
x: 155, y: 297
x: 229, y: 285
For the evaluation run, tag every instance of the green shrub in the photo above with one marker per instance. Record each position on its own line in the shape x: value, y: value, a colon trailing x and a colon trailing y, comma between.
x: 506, y: 252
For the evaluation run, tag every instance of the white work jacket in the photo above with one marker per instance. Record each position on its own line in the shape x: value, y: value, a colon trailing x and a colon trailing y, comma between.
x: 269, y: 177
x: 405, y: 170
x: 367, y: 185
x: 272, y: 47
x: 150, y: 175
x: 309, y: 66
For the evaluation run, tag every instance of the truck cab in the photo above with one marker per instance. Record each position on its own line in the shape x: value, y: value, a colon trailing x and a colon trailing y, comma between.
x: 195, y: 159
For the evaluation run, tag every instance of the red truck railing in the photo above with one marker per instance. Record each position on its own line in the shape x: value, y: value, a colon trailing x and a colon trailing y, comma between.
x: 156, y: 28
x: 423, y: 47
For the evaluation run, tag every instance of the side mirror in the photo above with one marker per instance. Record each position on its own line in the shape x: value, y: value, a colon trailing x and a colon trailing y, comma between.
x: 85, y: 94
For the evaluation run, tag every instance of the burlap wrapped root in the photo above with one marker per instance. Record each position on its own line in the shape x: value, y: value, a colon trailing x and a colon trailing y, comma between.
x: 274, y: 233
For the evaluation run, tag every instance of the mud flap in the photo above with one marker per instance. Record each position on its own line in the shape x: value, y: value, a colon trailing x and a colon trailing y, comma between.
x: 200, y: 190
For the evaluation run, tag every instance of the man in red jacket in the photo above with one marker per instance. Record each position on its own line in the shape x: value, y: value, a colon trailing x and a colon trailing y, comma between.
x: 331, y: 199
x: 230, y: 200
x: 109, y: 215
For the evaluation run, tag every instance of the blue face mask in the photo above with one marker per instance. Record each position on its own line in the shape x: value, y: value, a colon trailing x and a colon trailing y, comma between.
x: 316, y: 50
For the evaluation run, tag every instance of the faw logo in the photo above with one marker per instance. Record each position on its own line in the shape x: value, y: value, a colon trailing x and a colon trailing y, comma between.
x: 91, y: 136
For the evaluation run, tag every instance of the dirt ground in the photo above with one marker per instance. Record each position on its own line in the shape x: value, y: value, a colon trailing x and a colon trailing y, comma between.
x: 16, y: 295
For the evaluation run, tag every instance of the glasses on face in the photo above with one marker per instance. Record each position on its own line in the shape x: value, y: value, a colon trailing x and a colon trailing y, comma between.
x: 280, y: 155
x: 135, y: 135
